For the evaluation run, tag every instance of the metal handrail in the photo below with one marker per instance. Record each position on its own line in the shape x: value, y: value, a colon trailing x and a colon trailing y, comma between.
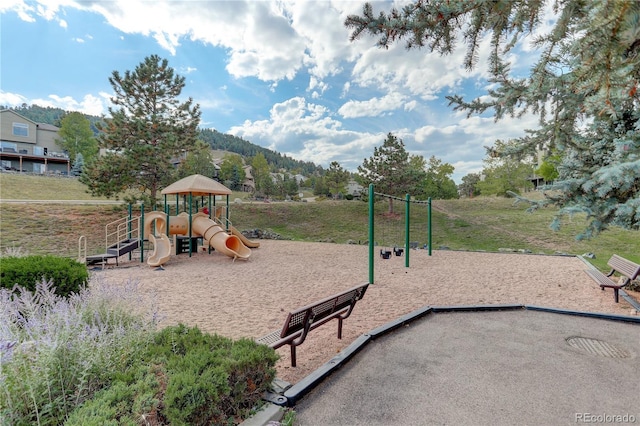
x: 124, y: 227
x: 82, y: 249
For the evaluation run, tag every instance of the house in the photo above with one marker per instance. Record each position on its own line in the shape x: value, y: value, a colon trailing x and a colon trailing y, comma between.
x: 354, y: 188
x: 27, y: 146
x: 249, y: 184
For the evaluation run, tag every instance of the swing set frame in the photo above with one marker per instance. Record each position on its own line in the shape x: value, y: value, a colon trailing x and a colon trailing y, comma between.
x: 407, y: 200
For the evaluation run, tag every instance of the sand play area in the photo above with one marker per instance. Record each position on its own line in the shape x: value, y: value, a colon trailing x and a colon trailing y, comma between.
x: 250, y: 298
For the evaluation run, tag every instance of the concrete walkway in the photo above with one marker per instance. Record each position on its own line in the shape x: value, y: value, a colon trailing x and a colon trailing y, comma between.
x: 524, y: 367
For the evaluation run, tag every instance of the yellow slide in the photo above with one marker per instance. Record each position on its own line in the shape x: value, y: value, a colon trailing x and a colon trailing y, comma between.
x: 161, y: 250
x: 213, y: 234
x: 161, y: 243
x: 247, y: 242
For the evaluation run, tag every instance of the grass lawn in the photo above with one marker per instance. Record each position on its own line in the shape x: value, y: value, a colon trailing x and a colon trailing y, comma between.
x: 483, y: 223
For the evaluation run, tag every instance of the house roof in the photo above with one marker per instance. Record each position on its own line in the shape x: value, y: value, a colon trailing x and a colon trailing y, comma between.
x: 45, y: 126
x: 10, y: 111
x: 197, y: 185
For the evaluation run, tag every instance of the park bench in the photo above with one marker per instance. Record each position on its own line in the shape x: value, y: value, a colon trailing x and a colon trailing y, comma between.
x: 626, y: 269
x: 301, y: 321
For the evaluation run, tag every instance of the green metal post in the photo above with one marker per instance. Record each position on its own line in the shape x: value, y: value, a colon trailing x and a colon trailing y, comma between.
x: 190, y: 218
x: 371, y: 233
x: 167, y: 211
x: 211, y: 212
x: 429, y: 224
x: 406, y: 231
x: 227, y: 214
x: 129, y: 228
x: 142, y: 233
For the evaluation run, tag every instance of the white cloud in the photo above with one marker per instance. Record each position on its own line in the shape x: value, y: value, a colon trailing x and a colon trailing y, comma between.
x: 372, y: 107
x: 277, y: 42
x: 25, y: 12
x: 90, y: 104
x: 11, y: 99
x: 307, y: 132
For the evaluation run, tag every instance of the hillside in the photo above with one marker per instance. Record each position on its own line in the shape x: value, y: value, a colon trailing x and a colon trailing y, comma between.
x: 483, y: 223
x: 215, y: 139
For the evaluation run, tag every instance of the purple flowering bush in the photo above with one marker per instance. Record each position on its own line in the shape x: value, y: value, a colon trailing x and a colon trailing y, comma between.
x: 57, y: 352
x: 96, y: 357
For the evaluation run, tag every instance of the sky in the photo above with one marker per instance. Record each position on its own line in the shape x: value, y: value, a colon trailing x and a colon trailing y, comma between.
x: 280, y: 74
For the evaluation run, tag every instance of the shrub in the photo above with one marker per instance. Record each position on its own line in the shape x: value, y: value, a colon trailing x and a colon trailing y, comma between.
x: 68, y: 275
x: 57, y: 352
x: 212, y: 379
x: 186, y: 377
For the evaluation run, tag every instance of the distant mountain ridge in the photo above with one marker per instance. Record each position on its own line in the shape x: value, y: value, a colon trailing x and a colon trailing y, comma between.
x: 215, y: 139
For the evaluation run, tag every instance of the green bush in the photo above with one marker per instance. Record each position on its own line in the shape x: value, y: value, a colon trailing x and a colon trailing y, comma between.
x: 186, y: 377
x: 132, y: 399
x: 67, y: 275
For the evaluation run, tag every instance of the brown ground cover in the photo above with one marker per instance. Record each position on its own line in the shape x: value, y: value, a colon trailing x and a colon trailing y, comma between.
x: 251, y: 298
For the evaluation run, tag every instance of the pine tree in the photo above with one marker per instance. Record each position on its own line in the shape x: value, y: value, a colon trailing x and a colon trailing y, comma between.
x: 78, y: 165
x: 336, y: 179
x: 390, y: 170
x: 148, y: 130
x: 583, y: 87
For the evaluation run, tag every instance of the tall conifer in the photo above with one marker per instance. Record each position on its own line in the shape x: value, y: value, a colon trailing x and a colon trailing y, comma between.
x: 148, y: 130
x: 583, y: 87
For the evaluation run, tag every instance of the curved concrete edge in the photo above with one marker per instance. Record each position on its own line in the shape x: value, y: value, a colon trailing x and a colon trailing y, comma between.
x: 476, y: 308
x: 297, y: 391
x: 633, y: 302
x: 612, y: 317
x: 267, y: 414
x: 403, y: 320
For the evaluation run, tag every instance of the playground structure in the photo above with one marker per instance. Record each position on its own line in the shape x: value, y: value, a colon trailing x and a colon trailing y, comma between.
x: 211, y: 232
x: 398, y: 249
x: 126, y: 235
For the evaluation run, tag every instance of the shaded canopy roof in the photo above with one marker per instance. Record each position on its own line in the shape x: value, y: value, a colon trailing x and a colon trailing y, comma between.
x: 197, y: 185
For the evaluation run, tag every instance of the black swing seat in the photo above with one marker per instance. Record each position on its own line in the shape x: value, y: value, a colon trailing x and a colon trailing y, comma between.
x: 398, y: 251
x: 385, y: 254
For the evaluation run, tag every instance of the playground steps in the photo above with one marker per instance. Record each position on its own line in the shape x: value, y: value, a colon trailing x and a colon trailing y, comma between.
x: 123, y: 247
x: 99, y: 258
x: 114, y: 251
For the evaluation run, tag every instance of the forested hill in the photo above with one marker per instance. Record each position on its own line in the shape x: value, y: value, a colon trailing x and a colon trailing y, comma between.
x: 217, y: 140
x: 240, y: 146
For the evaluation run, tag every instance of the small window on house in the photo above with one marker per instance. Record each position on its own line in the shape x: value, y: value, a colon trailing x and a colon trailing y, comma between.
x: 38, y: 150
x: 20, y: 129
